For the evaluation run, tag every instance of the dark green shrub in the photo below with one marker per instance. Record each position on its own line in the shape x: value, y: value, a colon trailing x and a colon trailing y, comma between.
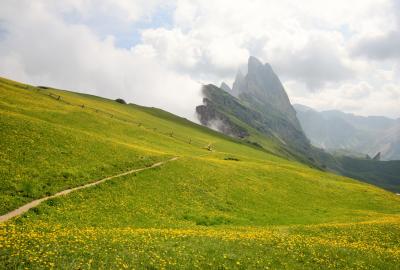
x: 120, y: 100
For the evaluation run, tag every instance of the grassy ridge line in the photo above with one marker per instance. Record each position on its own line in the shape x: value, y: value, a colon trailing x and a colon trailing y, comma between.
x: 50, y: 92
x: 187, y: 126
x: 157, y: 114
x: 140, y: 124
x: 268, y: 146
x: 47, y: 91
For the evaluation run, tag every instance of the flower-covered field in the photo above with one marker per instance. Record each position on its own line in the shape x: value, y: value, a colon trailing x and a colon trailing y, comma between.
x: 240, y: 206
x: 365, y: 245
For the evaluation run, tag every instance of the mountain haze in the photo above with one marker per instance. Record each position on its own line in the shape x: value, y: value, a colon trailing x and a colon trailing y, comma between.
x: 258, y: 107
x: 336, y: 130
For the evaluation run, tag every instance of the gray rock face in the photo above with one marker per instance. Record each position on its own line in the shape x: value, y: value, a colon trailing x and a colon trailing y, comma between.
x: 240, y: 83
x: 220, y: 108
x: 262, y: 89
x: 210, y: 116
x: 259, y: 100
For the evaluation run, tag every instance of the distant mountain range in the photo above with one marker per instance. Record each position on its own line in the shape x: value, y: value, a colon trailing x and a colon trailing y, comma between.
x: 257, y: 111
x: 337, y: 131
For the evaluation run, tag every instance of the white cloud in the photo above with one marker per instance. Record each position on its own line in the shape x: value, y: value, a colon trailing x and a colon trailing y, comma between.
x: 352, y: 97
x: 382, y: 46
x: 311, y: 44
x: 43, y: 49
x: 321, y: 60
x: 192, y: 54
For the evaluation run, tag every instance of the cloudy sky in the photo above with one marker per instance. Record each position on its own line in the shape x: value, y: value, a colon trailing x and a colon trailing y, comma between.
x: 329, y: 54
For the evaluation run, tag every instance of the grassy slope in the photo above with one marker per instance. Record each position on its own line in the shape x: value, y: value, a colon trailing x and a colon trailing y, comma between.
x: 198, y: 211
x: 384, y: 174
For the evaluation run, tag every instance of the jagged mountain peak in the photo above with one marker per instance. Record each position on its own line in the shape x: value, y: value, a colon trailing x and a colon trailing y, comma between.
x: 261, y: 88
x: 259, y: 99
x: 253, y: 63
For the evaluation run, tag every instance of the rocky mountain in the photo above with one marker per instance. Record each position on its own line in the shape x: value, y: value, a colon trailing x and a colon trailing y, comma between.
x: 258, y: 99
x: 230, y: 115
x: 210, y: 115
x: 336, y: 130
x: 261, y: 89
x: 257, y: 111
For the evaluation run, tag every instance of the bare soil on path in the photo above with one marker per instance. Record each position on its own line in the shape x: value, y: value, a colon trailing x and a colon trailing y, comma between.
x: 32, y: 204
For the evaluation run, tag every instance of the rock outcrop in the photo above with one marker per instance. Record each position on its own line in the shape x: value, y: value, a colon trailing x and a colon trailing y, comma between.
x: 236, y: 117
x: 259, y: 100
x: 262, y: 89
x: 210, y: 116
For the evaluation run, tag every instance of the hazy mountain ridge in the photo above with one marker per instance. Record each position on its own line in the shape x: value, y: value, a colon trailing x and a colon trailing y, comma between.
x: 251, y: 105
x: 260, y: 100
x: 335, y: 130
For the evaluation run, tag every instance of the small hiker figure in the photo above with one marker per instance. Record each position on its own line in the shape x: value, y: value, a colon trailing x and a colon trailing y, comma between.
x: 171, y: 134
x: 190, y: 141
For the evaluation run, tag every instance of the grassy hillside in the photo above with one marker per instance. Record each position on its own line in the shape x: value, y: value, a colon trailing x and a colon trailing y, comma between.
x: 290, y: 142
x: 237, y: 206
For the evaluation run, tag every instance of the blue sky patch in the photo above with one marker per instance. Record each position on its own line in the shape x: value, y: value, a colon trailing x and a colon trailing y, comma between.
x: 126, y: 34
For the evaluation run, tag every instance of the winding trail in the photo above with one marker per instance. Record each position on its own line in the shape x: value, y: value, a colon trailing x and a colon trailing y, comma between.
x: 35, y: 203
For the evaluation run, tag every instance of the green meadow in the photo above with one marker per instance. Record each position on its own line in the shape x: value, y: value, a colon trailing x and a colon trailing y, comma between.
x: 237, y: 206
